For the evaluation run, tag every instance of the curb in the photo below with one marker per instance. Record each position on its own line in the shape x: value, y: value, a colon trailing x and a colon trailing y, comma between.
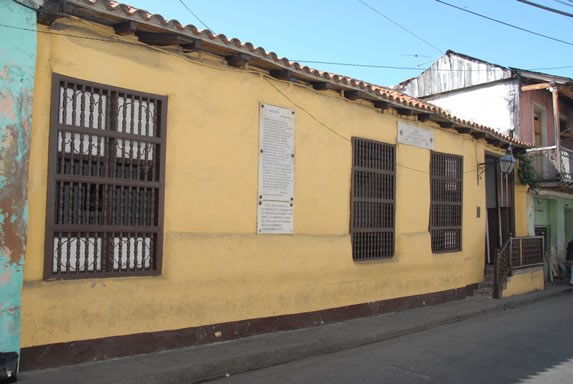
x: 220, y: 360
x: 314, y: 346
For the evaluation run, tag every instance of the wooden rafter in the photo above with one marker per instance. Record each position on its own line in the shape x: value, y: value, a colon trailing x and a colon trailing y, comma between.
x: 125, y: 28
x: 534, y: 87
x: 162, y: 39
x: 238, y: 60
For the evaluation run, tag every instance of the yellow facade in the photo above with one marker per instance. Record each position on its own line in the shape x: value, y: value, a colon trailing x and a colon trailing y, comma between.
x: 215, y: 267
x: 521, y: 206
x: 525, y: 281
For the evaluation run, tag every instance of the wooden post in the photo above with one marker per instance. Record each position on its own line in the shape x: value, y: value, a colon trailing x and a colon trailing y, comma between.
x: 555, y: 94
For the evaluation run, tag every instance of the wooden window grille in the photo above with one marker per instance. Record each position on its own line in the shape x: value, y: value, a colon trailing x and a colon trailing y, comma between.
x: 446, y: 179
x: 373, y: 200
x: 106, y: 172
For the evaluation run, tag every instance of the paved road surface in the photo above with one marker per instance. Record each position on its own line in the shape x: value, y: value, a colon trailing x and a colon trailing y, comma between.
x: 529, y: 344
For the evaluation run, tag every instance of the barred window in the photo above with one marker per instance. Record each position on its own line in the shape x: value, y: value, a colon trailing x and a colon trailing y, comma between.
x: 446, y: 179
x: 106, y: 177
x: 545, y: 231
x: 373, y: 200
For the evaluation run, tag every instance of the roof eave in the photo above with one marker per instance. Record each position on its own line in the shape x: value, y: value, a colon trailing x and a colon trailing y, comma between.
x: 144, y: 24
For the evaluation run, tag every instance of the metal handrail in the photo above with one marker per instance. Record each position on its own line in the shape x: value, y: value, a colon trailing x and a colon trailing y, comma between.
x: 503, y: 267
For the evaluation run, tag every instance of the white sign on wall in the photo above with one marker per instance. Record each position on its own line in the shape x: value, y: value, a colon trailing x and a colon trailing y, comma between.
x: 416, y: 136
x: 276, y: 170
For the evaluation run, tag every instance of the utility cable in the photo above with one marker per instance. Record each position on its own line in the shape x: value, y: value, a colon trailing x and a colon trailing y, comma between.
x: 504, y: 23
x: 415, y: 68
x: 298, y: 61
x: 265, y: 77
x: 569, y: 4
x: 307, y: 112
x: 400, y: 26
x: 195, y: 15
x: 533, y: 4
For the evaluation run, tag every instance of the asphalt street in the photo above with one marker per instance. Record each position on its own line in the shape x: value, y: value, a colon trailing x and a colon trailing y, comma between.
x: 528, y: 344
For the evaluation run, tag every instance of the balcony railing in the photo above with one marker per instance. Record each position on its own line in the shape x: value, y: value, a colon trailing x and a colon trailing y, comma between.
x: 545, y: 163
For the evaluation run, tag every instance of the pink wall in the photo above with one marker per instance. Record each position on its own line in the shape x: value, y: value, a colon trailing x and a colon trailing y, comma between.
x: 540, y: 98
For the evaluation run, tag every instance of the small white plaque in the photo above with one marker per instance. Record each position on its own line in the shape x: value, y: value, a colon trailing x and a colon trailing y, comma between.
x: 416, y: 136
x: 276, y: 153
x: 275, y: 217
x: 276, y: 169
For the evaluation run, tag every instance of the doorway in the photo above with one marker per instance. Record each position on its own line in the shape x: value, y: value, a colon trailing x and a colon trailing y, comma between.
x: 499, y: 202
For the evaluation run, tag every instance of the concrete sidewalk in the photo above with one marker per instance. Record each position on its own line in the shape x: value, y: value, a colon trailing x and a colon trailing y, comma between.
x: 197, y: 364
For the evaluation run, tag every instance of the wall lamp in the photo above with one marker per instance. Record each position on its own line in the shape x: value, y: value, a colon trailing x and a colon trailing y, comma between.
x: 506, y: 164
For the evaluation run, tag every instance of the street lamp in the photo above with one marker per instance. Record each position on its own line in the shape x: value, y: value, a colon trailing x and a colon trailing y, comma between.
x: 507, y: 161
x: 506, y: 164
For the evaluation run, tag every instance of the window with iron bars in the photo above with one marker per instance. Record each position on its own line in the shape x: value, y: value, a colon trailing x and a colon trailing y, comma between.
x: 106, y: 175
x: 446, y: 183
x: 373, y: 200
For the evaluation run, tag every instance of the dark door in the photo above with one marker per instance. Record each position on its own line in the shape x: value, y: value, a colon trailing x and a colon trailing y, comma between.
x: 500, y: 212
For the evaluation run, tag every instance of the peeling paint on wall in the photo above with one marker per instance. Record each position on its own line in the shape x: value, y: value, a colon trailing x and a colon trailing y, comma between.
x: 17, y: 62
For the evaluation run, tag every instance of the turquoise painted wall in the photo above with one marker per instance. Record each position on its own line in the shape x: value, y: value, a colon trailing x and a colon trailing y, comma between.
x: 17, y: 64
x: 541, y: 211
x: 557, y: 213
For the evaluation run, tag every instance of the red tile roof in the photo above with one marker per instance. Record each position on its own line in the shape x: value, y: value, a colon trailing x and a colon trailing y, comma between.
x: 112, y: 12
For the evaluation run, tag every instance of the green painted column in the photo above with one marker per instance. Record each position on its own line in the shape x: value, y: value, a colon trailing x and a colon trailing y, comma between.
x: 17, y: 64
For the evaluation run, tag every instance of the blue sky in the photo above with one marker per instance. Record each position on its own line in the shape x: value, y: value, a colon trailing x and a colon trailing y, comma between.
x: 349, y: 31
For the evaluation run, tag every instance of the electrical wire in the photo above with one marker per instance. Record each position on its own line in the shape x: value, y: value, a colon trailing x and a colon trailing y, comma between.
x: 304, y: 110
x: 355, y: 65
x: 569, y: 4
x: 504, y: 23
x: 70, y: 35
x: 265, y: 77
x: 545, y: 8
x: 415, y: 68
x: 298, y: 61
x: 401, y: 26
x: 25, y: 5
x: 195, y: 15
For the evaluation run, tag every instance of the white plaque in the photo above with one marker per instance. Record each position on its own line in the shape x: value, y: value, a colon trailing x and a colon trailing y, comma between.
x: 416, y: 136
x: 275, y: 217
x: 276, y: 169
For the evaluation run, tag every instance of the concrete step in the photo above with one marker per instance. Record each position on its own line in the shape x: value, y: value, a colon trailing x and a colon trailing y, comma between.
x: 484, y: 292
x: 489, y: 270
x: 486, y: 284
x: 488, y: 278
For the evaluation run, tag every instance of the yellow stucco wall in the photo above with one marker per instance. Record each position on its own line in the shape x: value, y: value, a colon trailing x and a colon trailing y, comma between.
x: 215, y: 267
x: 525, y: 281
x: 521, y: 210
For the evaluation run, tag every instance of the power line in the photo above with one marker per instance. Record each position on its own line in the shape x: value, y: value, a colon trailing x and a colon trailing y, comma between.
x: 569, y: 3
x: 545, y: 8
x: 414, y: 68
x: 356, y: 65
x: 107, y: 40
x: 70, y: 35
x: 504, y: 23
x: 195, y: 15
x: 402, y: 27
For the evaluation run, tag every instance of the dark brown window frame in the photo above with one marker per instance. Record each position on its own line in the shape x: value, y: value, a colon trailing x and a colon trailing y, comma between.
x: 109, y: 141
x: 446, y: 208
x: 373, y: 201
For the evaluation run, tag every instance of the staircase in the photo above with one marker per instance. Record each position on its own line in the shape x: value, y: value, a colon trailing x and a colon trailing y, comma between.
x: 485, y: 288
